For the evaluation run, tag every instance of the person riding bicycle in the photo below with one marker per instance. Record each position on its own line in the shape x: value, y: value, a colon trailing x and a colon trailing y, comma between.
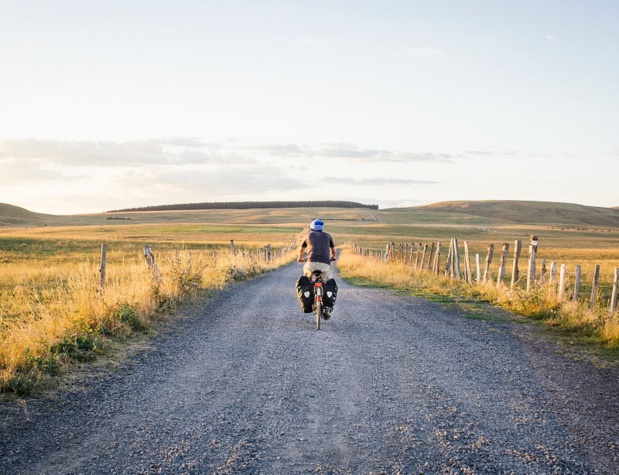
x: 320, y: 252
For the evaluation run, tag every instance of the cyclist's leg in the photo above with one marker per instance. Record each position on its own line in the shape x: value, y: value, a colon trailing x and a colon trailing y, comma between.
x: 307, y: 269
x: 327, y: 273
x: 325, y: 270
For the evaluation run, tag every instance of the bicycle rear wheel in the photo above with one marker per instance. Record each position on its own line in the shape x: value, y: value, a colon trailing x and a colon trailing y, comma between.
x: 318, y: 314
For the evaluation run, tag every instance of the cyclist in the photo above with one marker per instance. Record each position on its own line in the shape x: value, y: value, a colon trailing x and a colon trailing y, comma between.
x: 320, y: 252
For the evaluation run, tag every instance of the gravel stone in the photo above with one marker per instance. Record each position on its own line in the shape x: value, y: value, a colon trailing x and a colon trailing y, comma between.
x: 391, y: 384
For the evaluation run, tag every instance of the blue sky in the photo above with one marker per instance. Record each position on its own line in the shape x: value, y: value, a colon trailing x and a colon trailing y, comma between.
x: 110, y: 104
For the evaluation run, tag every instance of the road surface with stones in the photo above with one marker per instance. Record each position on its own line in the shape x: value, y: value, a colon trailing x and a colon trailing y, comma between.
x: 391, y: 384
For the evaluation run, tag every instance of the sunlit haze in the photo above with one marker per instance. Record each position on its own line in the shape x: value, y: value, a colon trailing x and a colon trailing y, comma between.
x: 117, y: 104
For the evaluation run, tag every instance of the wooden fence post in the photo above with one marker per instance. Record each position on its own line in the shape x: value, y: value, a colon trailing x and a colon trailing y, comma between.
x: 452, y: 261
x: 267, y: 253
x: 577, y: 284
x: 544, y: 270
x: 102, y: 268
x: 150, y: 260
x: 532, y: 253
x: 232, y: 248
x: 467, y: 264
x: 478, y: 266
x: 594, y: 288
x: 488, y: 262
x: 515, y: 270
x: 423, y: 257
x: 431, y: 255
x: 499, y: 280
x: 418, y: 255
x: 437, y: 258
x: 553, y: 272
x: 613, y: 298
x: 457, y: 272
x: 562, y: 281
x: 448, y: 264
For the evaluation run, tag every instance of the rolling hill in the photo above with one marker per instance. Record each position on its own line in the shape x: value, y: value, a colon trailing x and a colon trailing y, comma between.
x: 499, y: 213
x: 471, y: 213
x: 15, y: 216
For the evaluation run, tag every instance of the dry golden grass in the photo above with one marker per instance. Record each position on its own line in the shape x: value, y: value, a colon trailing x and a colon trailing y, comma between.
x: 541, y: 303
x: 52, y: 311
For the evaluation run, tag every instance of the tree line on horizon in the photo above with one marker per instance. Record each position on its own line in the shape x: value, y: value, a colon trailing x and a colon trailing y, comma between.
x: 249, y: 205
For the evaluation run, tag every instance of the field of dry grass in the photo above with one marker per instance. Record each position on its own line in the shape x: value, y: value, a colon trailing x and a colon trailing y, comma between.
x: 52, y: 313
x: 574, y: 318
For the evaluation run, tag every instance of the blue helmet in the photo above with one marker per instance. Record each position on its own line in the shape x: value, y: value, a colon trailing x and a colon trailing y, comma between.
x: 317, y: 225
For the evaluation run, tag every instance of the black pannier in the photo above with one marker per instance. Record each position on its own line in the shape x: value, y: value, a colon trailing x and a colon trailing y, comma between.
x: 305, y: 292
x: 330, y: 294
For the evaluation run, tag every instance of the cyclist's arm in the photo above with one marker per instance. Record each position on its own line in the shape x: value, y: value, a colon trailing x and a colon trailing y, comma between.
x: 332, y: 249
x: 301, y: 252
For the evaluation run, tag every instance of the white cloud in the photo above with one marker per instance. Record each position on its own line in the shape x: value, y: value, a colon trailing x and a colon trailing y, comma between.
x: 15, y: 171
x: 351, y: 152
x: 422, y: 52
x: 180, y: 170
x: 78, y: 153
x: 34, y: 154
x: 378, y: 181
x: 208, y: 182
x: 498, y: 154
x: 187, y: 152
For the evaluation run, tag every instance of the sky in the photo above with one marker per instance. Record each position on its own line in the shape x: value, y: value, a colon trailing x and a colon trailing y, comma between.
x: 108, y: 104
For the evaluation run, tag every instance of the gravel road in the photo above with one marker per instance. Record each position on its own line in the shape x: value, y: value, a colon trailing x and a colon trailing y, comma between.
x: 391, y: 384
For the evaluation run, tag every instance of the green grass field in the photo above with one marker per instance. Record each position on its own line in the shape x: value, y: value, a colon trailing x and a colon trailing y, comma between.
x: 568, y: 233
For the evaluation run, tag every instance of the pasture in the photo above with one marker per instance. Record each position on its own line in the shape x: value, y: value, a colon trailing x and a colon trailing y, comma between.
x: 53, y: 311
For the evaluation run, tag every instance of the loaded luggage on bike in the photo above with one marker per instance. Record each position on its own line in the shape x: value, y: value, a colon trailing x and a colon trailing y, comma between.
x: 316, y: 289
x: 330, y: 293
x: 305, y: 292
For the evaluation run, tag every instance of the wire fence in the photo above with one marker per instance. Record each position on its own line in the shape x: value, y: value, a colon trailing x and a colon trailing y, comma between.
x: 500, y: 267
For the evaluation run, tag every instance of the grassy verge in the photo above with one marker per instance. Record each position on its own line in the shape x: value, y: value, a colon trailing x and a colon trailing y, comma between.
x: 53, y: 314
x: 573, y: 319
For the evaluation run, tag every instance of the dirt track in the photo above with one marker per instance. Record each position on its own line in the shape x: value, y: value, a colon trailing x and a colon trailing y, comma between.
x: 391, y: 384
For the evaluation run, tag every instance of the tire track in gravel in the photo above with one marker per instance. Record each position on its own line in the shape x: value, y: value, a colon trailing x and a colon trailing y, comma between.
x: 245, y: 384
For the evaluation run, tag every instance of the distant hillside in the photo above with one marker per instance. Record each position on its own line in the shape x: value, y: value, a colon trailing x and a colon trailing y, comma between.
x: 510, y: 212
x: 249, y: 205
x: 15, y: 216
x: 468, y: 213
